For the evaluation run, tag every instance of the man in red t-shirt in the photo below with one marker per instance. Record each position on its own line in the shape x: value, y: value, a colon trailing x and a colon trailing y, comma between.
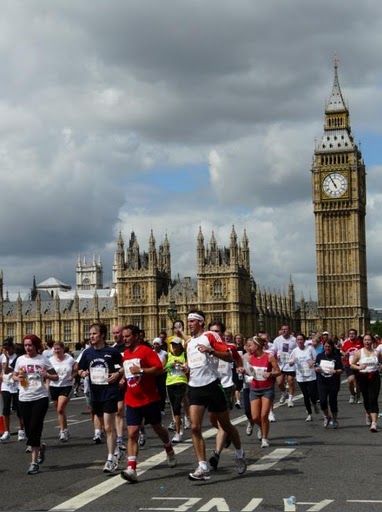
x: 141, y: 365
x: 348, y: 349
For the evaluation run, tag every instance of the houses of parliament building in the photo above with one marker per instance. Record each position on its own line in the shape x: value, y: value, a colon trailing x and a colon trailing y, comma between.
x: 145, y: 293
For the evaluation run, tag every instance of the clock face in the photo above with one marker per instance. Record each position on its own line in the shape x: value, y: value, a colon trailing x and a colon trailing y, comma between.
x: 335, y: 184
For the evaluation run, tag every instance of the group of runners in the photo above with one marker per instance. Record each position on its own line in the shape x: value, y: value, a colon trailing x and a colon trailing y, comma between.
x: 203, y: 371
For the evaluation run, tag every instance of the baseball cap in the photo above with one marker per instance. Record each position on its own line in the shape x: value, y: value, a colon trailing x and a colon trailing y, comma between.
x: 177, y: 341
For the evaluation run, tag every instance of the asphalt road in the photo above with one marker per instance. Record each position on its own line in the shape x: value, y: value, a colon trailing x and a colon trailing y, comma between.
x: 324, y: 469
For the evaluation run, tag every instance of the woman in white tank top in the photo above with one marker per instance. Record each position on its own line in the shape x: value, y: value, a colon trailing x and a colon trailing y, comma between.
x: 367, y: 361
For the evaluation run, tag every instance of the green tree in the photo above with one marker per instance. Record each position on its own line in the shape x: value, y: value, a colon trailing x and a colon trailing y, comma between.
x: 376, y: 328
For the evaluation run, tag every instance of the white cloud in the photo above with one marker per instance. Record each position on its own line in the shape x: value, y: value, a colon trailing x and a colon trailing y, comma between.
x: 113, y: 115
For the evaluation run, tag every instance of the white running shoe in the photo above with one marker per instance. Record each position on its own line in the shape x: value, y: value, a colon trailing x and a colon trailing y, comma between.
x: 171, y: 426
x: 271, y: 417
x: 259, y: 434
x: 264, y: 443
x: 110, y: 466
x: 130, y: 475
x: 352, y: 399
x: 21, y: 436
x: 373, y: 427
x: 171, y: 459
x: 368, y: 419
x: 177, y: 438
x: 283, y: 397
x: 5, y: 437
x: 249, y: 429
x: 290, y: 402
x: 187, y: 422
x: 309, y: 417
x: 199, y: 474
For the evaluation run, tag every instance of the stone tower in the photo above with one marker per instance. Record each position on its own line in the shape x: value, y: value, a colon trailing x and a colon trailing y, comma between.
x: 89, y: 276
x: 142, y: 278
x: 226, y: 289
x: 339, y: 199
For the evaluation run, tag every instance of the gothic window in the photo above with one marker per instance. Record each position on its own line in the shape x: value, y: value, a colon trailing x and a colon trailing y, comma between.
x: 11, y: 330
x: 29, y: 328
x: 85, y: 330
x: 67, y: 332
x: 136, y: 292
x: 48, y: 331
x: 218, y: 288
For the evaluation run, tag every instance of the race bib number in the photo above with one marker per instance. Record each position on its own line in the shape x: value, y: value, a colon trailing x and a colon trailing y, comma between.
x: 127, y: 367
x: 224, y: 368
x: 196, y: 359
x: 99, y: 375
x: 258, y: 373
x: 305, y: 369
x: 326, y: 366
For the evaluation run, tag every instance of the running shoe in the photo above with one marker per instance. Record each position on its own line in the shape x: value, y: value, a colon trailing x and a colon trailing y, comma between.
x: 238, y: 404
x: 171, y: 459
x: 283, y: 397
x: 241, y: 465
x: 290, y: 402
x: 41, y: 454
x: 334, y: 423
x: 130, y: 475
x: 21, y: 435
x: 110, y: 466
x: 97, y: 439
x: 187, y: 422
x: 264, y: 443
x: 119, y: 452
x: 142, y: 437
x: 33, y: 469
x: 309, y: 417
x: 64, y: 436
x: 271, y: 417
x: 316, y: 408
x: 28, y: 449
x: 177, y: 438
x: 5, y: 437
x: 214, y: 460
x: 259, y: 434
x: 359, y: 399
x: 327, y: 420
x: 171, y: 426
x: 199, y: 474
x: 352, y: 399
x: 181, y: 430
x: 249, y: 429
x: 368, y: 419
x: 373, y: 427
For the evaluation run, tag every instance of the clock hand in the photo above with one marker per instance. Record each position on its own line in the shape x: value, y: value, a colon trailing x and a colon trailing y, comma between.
x: 332, y: 180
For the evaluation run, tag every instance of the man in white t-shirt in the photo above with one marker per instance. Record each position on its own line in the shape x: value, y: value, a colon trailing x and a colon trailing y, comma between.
x: 282, y: 348
x: 204, y: 349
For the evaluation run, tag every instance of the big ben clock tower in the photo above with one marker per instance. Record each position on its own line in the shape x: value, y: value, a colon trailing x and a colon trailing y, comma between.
x: 339, y: 199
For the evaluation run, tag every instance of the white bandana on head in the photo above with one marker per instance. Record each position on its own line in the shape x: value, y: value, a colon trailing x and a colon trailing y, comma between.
x: 195, y: 316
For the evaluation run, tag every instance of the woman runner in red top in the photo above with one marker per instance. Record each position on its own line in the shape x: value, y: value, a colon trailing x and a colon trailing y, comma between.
x: 263, y: 367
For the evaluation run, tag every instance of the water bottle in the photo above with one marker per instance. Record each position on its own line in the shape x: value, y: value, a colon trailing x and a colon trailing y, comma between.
x: 24, y: 379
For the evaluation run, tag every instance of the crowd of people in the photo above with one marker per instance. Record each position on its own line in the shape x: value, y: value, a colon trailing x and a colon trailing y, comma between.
x: 127, y: 385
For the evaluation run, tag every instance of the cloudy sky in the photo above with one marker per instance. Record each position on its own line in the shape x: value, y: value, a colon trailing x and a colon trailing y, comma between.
x: 121, y: 115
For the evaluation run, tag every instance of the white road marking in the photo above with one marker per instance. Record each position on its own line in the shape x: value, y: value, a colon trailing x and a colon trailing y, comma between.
x: 271, y: 459
x: 110, y: 484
